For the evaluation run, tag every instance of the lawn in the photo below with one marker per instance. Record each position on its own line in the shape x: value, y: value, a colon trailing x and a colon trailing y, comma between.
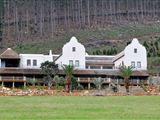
x: 84, y: 108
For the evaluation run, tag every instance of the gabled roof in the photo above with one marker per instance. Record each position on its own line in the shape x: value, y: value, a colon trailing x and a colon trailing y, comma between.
x: 9, y: 54
x: 118, y: 56
x: 56, y: 57
x: 99, y: 60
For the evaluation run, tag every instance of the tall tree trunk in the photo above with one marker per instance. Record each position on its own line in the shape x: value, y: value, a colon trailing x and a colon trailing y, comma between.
x: 88, y: 13
x: 68, y: 84
x: 127, y: 84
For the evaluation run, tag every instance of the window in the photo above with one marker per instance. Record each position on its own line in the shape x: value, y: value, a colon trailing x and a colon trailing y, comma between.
x: 71, y: 62
x: 139, y: 64
x: 135, y: 50
x: 77, y: 63
x: 28, y: 62
x: 34, y: 62
x: 73, y: 49
x: 133, y: 64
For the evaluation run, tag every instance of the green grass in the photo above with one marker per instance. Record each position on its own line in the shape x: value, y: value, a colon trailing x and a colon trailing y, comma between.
x: 84, y: 108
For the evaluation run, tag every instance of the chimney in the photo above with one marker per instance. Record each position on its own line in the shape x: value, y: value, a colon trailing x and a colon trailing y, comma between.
x: 50, y: 52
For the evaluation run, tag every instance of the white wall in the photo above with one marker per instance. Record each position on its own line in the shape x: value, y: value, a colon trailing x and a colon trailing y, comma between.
x: 129, y: 55
x: 118, y: 63
x: 68, y: 54
x: 39, y: 57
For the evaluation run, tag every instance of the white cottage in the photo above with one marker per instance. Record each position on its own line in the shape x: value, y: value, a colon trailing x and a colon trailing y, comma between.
x: 19, y: 68
x: 73, y: 53
x: 133, y: 55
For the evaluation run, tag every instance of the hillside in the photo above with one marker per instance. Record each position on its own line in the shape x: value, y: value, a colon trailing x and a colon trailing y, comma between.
x: 114, y: 36
x: 39, y: 21
x: 36, y: 26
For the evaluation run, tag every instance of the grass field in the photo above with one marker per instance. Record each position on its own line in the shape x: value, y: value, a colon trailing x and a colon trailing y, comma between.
x: 84, y: 108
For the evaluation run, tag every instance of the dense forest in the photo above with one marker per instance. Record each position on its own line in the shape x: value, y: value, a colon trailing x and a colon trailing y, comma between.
x: 38, y: 20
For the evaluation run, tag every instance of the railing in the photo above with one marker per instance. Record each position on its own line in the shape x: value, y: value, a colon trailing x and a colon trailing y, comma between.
x: 12, y: 78
x: 110, y: 80
x: 90, y: 80
x: 33, y: 78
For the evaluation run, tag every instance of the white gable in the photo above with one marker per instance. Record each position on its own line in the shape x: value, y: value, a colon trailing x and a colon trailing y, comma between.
x: 74, y: 52
x: 135, y: 55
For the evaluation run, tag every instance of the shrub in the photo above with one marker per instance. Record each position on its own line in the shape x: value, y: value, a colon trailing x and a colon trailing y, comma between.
x: 80, y: 87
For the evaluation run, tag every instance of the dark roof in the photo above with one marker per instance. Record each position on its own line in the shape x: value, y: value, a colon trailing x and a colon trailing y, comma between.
x: 99, y: 57
x: 118, y: 56
x: 20, y: 71
x: 9, y: 54
x: 99, y: 60
x: 56, y: 57
x: 99, y: 63
x: 6, y: 71
x: 107, y: 72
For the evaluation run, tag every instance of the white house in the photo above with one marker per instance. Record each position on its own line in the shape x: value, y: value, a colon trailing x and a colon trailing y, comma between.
x: 19, y: 68
x: 133, y: 55
x: 73, y: 53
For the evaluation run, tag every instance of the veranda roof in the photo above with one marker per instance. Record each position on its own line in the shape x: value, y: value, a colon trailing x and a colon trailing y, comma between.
x: 6, y: 71
x: 9, y: 54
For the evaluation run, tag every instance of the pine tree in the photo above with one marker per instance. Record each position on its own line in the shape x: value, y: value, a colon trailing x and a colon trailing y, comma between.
x: 145, y: 44
x: 108, y: 52
x: 104, y: 52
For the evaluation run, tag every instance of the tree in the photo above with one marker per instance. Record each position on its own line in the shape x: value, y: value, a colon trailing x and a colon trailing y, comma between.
x: 145, y: 44
x: 115, y: 51
x: 32, y: 81
x: 126, y: 72
x: 49, y: 69
x: 74, y: 83
x: 104, y: 52
x: 98, y: 82
x: 68, y: 69
x: 59, y: 81
x: 156, y: 45
x: 108, y: 52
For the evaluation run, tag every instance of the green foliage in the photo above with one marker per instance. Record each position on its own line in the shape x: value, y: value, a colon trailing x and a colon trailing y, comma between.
x: 68, y: 70
x: 114, y: 88
x: 126, y: 72
x: 154, y: 80
x: 49, y: 69
x: 74, y: 83
x: 152, y: 48
x: 104, y: 52
x: 60, y: 81
x: 143, y: 86
x: 32, y: 81
x: 154, y: 65
x: 110, y: 51
x: 49, y: 81
x: 98, y: 82
x: 80, y: 87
